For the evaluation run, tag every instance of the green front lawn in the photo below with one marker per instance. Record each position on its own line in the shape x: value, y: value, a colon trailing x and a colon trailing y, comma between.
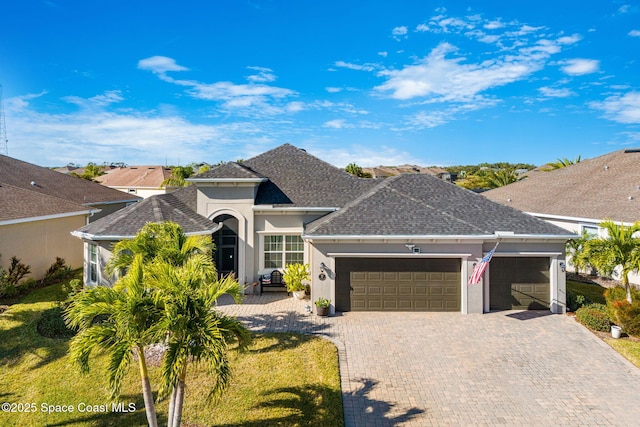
x: 283, y: 379
x: 592, y: 291
x: 628, y: 348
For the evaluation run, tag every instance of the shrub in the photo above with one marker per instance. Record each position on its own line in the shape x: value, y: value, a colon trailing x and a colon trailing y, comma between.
x: 58, y: 270
x: 16, y: 271
x: 621, y: 312
x: 52, y: 325
x: 72, y: 287
x: 576, y: 301
x: 594, y: 316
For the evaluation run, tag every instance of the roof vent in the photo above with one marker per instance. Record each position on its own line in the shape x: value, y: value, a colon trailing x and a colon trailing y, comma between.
x: 606, y: 168
x: 508, y: 200
x: 630, y: 197
x: 632, y: 150
x: 33, y: 183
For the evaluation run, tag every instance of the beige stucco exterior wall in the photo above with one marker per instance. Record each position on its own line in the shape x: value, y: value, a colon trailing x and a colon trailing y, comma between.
x: 38, y: 243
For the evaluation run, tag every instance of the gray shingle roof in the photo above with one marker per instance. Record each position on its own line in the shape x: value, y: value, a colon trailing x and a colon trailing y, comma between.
x: 229, y: 170
x: 603, y: 187
x: 46, y: 181
x: 422, y: 205
x: 19, y: 203
x: 295, y: 179
x: 128, y: 221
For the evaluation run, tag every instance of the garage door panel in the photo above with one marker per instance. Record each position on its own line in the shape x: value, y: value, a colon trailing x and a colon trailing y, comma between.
x: 404, y: 290
x: 436, y: 277
x: 519, y: 283
x: 390, y: 290
x: 420, y: 290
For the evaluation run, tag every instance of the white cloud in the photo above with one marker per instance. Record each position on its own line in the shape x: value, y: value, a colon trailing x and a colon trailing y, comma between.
x: 383, y: 54
x: 624, y: 9
x: 333, y: 89
x: 580, y: 66
x: 494, y: 25
x: 265, y: 75
x: 109, y: 97
x: 366, y: 156
x: 422, y: 28
x: 621, y: 108
x: 357, y: 67
x: 250, y: 99
x: 160, y: 64
x: 568, y: 40
x: 556, y: 93
x: 335, y: 124
x: 634, y: 33
x: 399, y: 32
x: 441, y: 79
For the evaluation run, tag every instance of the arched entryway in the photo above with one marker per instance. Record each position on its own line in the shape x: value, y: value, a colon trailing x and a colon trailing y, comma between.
x: 226, y: 241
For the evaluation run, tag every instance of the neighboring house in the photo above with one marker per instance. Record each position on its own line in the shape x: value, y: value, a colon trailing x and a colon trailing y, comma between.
x: 580, y: 196
x: 405, y: 243
x: 143, y: 181
x: 40, y: 207
x: 387, y: 171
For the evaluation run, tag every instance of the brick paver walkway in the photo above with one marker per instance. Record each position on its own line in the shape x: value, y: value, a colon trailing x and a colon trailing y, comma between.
x: 449, y: 369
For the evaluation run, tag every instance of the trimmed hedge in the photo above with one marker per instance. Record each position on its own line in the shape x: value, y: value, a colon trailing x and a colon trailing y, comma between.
x: 594, y: 316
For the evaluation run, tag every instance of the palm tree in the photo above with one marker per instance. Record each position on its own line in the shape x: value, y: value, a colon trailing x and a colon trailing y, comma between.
x: 561, y: 163
x: 196, y: 332
x: 619, y: 248
x: 158, y: 239
x: 121, y: 321
x: 501, y: 178
x: 178, y: 176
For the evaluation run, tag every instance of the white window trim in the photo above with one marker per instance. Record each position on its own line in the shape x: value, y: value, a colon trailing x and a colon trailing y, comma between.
x: 264, y: 234
x: 90, y: 263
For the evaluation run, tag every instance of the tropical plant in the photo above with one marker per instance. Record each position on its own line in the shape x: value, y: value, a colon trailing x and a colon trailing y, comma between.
x: 91, y: 171
x: 561, y: 163
x: 356, y: 170
x: 158, y: 239
x: 323, y: 302
x: 178, y: 176
x: 574, y: 249
x: 623, y: 313
x: 294, y: 275
x: 619, y: 248
x: 120, y: 321
x: 180, y: 273
x: 195, y: 332
x: 501, y: 177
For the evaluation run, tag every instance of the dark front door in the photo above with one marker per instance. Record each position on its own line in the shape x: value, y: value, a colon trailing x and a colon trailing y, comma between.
x: 225, y: 257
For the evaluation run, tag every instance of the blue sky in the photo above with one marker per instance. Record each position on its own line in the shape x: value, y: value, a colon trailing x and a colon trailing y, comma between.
x: 371, y: 82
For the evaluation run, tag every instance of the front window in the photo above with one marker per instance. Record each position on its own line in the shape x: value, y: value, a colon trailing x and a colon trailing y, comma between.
x: 93, y: 263
x: 282, y: 250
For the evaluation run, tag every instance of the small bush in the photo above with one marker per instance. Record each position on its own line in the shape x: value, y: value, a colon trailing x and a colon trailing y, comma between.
x: 576, y: 301
x: 621, y: 312
x: 72, y: 287
x: 594, y: 316
x: 57, y: 271
x: 52, y: 325
x: 16, y: 271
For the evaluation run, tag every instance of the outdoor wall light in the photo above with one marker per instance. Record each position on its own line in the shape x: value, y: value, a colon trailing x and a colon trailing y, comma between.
x: 410, y: 246
x: 562, y: 266
x: 323, y: 267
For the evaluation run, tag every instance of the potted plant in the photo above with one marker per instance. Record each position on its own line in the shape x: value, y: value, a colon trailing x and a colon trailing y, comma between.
x: 294, y: 275
x: 322, y: 306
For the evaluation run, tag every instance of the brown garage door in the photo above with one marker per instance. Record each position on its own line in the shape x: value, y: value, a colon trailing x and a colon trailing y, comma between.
x: 519, y: 283
x: 378, y: 284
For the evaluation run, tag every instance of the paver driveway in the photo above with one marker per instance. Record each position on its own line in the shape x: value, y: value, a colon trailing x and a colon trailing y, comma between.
x: 441, y: 369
